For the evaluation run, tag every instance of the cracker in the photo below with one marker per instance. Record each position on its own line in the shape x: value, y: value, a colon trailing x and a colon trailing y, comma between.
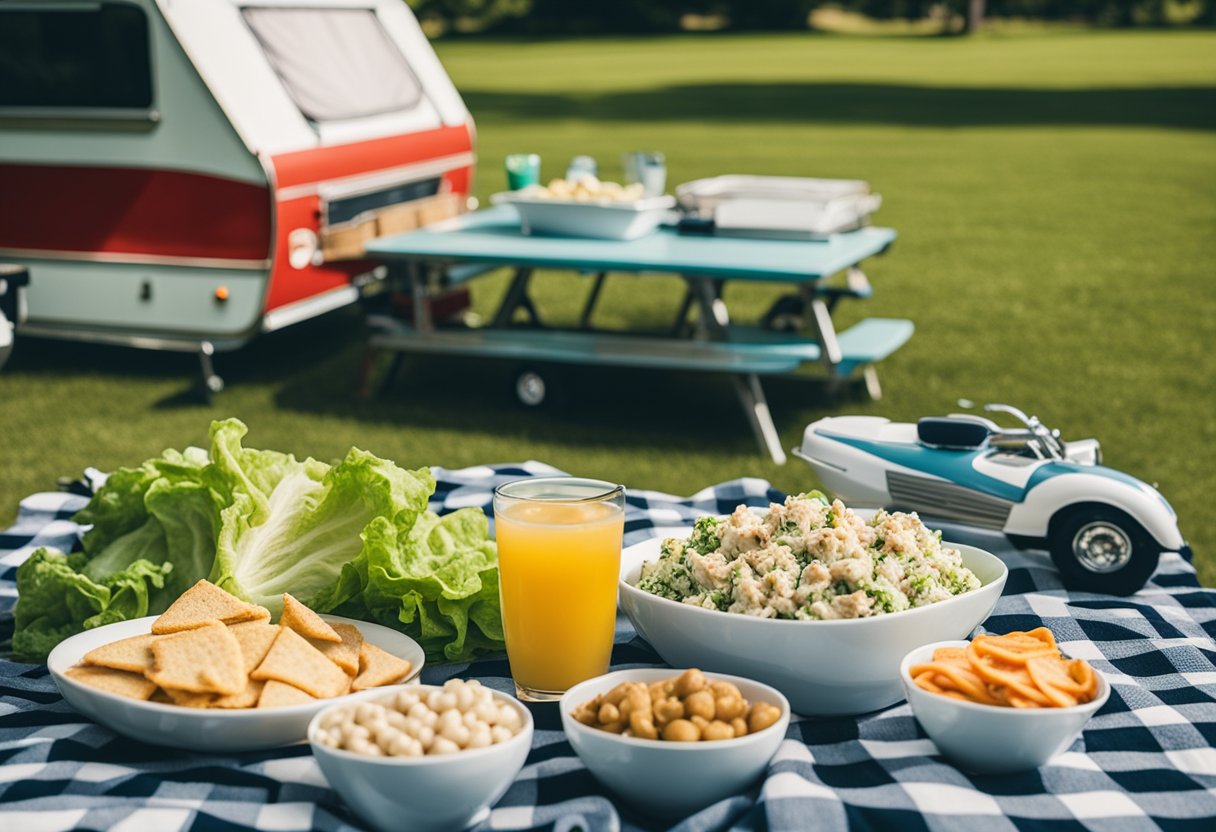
x: 278, y: 694
x: 160, y: 696
x: 247, y: 698
x: 378, y: 667
x: 346, y: 654
x: 119, y: 682
x: 206, y: 659
x: 133, y: 654
x: 255, y: 638
x: 189, y: 699
x: 306, y: 622
x: 205, y: 602
x: 293, y: 660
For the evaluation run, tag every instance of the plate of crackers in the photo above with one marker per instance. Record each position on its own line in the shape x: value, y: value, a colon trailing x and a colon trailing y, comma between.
x: 212, y: 673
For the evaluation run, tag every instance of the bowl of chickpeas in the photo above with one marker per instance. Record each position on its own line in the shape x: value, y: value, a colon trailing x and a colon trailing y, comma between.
x: 672, y: 742
x: 423, y: 757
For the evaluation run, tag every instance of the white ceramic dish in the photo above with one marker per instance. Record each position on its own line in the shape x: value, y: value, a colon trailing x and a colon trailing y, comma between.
x: 600, y: 220
x: 988, y: 739
x: 672, y: 779
x: 826, y: 668
x: 425, y: 794
x: 202, y: 729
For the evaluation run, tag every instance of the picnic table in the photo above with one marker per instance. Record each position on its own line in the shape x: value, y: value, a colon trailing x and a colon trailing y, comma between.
x: 1145, y: 761
x: 434, y: 259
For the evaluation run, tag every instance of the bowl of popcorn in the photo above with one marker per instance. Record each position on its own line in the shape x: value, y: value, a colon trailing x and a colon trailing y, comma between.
x: 587, y: 207
x: 423, y: 757
x: 673, y: 742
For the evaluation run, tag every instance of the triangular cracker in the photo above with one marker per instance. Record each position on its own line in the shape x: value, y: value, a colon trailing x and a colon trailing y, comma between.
x: 306, y: 622
x: 280, y: 695
x: 247, y: 698
x: 206, y: 659
x: 133, y: 654
x: 205, y: 602
x: 189, y: 699
x: 346, y: 654
x: 255, y: 638
x: 293, y: 660
x: 118, y: 682
x: 377, y: 667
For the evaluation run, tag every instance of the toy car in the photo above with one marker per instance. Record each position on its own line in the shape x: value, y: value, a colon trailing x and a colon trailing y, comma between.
x: 1105, y: 530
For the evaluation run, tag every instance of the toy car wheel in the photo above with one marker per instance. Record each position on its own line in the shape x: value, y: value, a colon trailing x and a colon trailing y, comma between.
x: 1102, y: 549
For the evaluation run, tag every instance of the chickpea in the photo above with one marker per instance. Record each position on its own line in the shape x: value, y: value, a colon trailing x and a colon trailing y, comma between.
x: 614, y: 727
x: 689, y: 682
x: 698, y: 721
x: 724, y: 689
x: 404, y: 746
x: 457, y: 733
x: 488, y: 712
x: 444, y: 746
x: 762, y: 716
x: 740, y: 726
x: 481, y: 737
x: 718, y: 730
x: 609, y: 713
x: 729, y: 707
x: 405, y: 700
x: 500, y: 734
x: 700, y: 704
x: 426, y: 736
x: 586, y: 714
x: 657, y: 691
x: 509, y: 718
x: 367, y: 711
x: 464, y: 699
x: 668, y: 710
x: 614, y: 696
x: 642, y: 726
x: 681, y: 730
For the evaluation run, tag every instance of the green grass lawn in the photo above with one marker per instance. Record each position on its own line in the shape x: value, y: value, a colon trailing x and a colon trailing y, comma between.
x: 1055, y: 196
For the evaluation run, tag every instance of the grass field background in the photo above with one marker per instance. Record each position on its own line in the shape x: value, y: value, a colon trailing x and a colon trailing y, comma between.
x: 1055, y: 196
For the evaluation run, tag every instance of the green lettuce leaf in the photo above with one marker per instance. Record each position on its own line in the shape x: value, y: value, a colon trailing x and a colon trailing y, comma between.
x: 55, y: 600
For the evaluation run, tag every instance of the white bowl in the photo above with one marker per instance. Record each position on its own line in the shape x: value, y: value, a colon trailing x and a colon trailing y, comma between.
x: 826, y: 668
x: 600, y: 220
x: 989, y: 739
x: 421, y: 794
x: 204, y: 729
x: 672, y: 779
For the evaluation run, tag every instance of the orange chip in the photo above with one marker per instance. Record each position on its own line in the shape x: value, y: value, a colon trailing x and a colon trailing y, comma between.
x: 205, y: 659
x: 118, y: 682
x: 132, y: 654
x: 346, y: 654
x: 306, y: 622
x: 202, y: 603
x: 292, y: 660
x: 278, y: 694
x: 378, y: 667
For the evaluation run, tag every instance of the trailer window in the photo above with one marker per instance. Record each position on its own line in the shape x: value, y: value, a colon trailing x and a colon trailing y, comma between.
x: 74, y: 57
x: 335, y: 63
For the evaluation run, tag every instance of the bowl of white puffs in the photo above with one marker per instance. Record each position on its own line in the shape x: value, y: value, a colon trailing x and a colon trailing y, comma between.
x: 673, y: 742
x: 587, y: 207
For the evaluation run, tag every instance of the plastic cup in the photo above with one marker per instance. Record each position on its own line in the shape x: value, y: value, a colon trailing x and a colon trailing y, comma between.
x: 559, y: 558
x: 523, y: 169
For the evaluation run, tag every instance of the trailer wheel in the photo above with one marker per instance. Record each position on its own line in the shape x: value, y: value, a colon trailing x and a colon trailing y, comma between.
x: 531, y: 388
x: 1101, y: 549
x: 6, y: 339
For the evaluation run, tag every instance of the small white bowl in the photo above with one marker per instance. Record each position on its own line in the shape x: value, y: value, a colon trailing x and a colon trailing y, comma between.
x: 204, y: 729
x: 826, y: 668
x: 425, y: 794
x: 672, y: 779
x: 990, y: 739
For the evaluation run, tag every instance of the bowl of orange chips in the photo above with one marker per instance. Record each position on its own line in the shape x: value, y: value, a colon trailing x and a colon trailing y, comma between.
x: 212, y: 673
x: 1001, y: 703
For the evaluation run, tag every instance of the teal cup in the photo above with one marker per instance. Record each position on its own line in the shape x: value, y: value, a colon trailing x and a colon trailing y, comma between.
x: 523, y: 169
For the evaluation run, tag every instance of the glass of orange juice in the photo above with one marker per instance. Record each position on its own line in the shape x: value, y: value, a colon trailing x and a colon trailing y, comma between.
x: 559, y: 557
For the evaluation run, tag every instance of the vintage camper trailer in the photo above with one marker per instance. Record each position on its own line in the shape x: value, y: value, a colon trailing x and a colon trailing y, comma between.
x: 187, y: 174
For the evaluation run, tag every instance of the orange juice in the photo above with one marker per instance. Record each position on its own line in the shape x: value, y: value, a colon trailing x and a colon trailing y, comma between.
x: 558, y: 568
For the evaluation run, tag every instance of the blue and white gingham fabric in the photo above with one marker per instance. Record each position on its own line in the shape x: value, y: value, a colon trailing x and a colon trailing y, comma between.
x: 1146, y: 761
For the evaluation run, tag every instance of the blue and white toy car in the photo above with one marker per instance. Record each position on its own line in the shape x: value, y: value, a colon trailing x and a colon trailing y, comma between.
x: 1104, y: 529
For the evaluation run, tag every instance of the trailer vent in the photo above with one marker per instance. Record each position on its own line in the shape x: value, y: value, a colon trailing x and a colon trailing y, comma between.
x: 348, y: 209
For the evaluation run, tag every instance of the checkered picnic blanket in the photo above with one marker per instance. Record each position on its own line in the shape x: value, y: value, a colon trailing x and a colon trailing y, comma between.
x: 1146, y: 761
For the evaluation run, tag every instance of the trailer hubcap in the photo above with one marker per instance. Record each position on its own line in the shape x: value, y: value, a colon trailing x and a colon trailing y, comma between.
x: 530, y: 388
x: 1102, y: 547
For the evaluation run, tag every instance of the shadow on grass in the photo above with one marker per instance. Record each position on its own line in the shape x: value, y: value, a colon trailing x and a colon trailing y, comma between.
x: 1192, y: 108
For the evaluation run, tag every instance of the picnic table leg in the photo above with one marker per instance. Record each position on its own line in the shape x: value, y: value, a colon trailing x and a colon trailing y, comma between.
x: 584, y: 320
x: 516, y: 298
x: 755, y: 405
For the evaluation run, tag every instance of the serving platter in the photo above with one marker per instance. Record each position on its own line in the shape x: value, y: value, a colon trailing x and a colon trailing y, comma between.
x: 206, y: 729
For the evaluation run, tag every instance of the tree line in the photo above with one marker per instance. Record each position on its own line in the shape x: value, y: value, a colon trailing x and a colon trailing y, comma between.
x: 638, y: 16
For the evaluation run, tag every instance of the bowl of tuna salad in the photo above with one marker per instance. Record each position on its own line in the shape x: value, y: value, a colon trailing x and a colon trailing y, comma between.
x: 808, y: 596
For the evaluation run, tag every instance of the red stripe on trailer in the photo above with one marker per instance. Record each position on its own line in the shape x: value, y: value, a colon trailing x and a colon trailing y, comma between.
x: 120, y: 210
x: 305, y: 167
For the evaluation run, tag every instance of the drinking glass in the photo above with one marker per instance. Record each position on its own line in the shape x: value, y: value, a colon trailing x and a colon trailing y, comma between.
x: 559, y: 558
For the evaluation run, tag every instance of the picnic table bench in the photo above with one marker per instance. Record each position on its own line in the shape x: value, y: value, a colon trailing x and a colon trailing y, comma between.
x: 434, y: 259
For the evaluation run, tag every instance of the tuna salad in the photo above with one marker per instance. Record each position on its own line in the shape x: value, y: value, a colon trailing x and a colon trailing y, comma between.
x: 808, y: 559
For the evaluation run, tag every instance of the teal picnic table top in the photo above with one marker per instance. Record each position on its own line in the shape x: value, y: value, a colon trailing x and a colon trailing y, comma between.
x: 493, y: 236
